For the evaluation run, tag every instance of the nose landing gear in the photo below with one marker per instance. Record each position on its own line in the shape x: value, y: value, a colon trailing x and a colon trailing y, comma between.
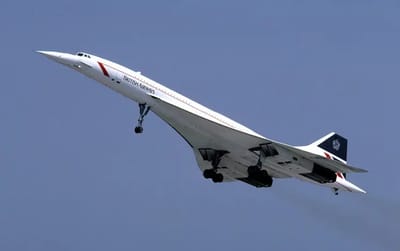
x: 143, y: 110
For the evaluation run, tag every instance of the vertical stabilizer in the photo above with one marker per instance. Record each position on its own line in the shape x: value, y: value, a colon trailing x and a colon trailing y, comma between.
x: 334, y: 144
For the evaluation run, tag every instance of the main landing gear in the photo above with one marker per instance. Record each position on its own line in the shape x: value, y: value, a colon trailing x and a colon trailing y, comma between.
x: 214, y: 156
x: 213, y: 175
x: 259, y: 176
x: 143, y: 110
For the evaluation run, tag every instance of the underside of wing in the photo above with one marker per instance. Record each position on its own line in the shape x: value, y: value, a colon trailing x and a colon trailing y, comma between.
x: 333, y: 165
x: 201, y: 132
x: 204, y: 135
x: 238, y: 152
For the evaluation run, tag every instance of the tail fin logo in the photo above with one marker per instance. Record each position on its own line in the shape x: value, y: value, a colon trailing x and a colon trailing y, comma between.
x: 336, y: 144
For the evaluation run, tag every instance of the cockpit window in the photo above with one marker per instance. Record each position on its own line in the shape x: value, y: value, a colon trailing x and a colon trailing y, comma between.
x: 81, y: 54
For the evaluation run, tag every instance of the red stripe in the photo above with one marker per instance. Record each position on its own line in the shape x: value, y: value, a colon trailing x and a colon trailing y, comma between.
x: 340, y: 175
x: 327, y: 156
x: 103, y: 69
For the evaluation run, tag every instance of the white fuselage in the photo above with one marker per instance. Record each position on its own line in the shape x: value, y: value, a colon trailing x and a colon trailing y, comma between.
x: 141, y: 89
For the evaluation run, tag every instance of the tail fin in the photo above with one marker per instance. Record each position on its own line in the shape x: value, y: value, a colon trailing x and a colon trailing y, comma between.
x: 334, y: 144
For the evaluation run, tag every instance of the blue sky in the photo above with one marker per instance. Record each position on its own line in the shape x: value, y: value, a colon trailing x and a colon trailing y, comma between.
x: 75, y: 177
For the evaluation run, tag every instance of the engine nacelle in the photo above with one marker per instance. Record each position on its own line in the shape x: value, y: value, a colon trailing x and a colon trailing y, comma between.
x: 321, y: 174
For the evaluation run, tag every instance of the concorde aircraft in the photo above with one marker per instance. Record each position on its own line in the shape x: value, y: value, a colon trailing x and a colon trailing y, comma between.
x: 224, y: 149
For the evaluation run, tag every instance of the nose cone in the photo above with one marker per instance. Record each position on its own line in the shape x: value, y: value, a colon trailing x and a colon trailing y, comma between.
x: 60, y: 57
x: 50, y: 54
x: 53, y: 55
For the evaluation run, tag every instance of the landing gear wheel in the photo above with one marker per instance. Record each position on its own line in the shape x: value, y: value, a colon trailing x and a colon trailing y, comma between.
x: 217, y: 178
x: 259, y: 175
x: 253, y: 170
x: 265, y: 178
x: 335, y: 191
x: 209, y: 173
x: 138, y: 129
x: 268, y: 180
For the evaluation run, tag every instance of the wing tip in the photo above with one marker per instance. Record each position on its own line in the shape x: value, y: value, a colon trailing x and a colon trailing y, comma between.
x: 358, y: 170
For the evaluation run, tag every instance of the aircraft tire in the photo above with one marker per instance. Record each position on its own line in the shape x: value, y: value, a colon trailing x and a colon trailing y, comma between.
x: 253, y: 170
x: 209, y: 173
x: 138, y: 129
x: 217, y: 178
x: 265, y: 178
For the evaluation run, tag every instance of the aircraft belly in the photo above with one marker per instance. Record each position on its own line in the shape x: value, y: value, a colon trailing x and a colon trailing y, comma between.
x: 202, y: 133
x: 290, y: 170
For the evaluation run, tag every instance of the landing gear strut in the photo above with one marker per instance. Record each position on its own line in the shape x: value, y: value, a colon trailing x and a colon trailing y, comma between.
x: 214, y: 156
x: 143, y: 110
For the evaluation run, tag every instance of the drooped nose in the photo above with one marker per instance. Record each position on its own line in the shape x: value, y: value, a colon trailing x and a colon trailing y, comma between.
x: 60, y: 57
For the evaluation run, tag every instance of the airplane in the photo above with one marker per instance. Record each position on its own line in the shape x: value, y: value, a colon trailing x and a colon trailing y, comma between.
x: 224, y: 149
